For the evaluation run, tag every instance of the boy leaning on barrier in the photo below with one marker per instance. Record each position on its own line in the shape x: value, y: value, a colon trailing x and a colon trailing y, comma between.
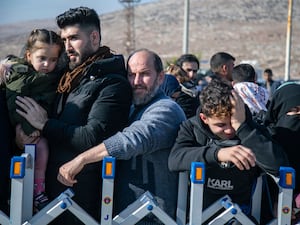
x: 233, y: 147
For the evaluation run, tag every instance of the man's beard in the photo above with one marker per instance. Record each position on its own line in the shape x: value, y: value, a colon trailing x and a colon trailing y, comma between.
x: 87, y: 51
x: 72, y: 65
x: 148, y: 96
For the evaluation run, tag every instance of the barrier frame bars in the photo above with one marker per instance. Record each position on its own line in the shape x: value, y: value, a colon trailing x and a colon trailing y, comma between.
x: 285, y: 198
x: 21, y: 203
x: 197, y: 176
x: 108, y: 175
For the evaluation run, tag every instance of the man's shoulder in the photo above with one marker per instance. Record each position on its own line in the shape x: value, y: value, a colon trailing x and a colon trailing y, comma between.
x: 165, y: 102
x: 165, y: 106
x: 113, y: 65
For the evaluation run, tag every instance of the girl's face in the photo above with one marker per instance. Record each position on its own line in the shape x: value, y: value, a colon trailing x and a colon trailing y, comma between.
x: 44, y: 59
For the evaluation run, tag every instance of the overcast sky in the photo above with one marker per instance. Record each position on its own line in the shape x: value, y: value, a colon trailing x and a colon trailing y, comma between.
x: 12, y: 11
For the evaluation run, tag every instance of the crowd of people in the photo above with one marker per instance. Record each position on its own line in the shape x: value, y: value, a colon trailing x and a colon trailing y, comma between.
x: 79, y: 102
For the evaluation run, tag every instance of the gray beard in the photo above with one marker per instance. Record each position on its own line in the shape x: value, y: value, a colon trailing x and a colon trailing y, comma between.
x: 147, y: 98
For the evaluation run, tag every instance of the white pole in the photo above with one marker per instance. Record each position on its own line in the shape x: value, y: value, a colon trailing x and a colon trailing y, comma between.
x: 185, y: 46
x: 288, y: 41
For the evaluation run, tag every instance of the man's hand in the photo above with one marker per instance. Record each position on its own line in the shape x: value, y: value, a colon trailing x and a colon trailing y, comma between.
x: 241, y: 156
x: 69, y: 170
x: 238, y: 111
x: 32, y: 112
x: 294, y: 111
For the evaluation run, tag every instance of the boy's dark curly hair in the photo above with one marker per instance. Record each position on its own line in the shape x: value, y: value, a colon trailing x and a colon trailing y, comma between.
x: 215, y: 99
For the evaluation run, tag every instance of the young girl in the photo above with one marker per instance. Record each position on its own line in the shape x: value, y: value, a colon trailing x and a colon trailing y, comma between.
x: 36, y: 75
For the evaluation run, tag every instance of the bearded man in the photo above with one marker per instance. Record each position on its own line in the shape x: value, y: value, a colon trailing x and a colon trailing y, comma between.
x: 144, y: 146
x: 93, y: 103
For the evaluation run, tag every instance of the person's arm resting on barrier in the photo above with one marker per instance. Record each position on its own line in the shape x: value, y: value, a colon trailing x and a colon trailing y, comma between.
x: 69, y: 170
x: 151, y: 133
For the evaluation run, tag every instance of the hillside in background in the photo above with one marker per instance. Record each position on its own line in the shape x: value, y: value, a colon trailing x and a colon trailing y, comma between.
x: 248, y: 29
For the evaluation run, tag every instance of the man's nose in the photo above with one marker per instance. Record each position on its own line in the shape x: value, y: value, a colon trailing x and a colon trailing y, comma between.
x: 191, y: 74
x: 137, y: 79
x: 68, y: 45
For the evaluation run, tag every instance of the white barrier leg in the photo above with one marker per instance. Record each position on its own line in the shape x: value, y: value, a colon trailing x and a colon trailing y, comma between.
x: 285, y: 198
x: 197, y: 182
x: 62, y: 203
x: 4, y: 219
x: 22, y: 172
x: 108, y: 175
x: 182, y: 198
x: 139, y: 209
x: 231, y: 211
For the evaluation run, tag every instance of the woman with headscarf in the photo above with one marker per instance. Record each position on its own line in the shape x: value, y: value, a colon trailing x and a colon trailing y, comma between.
x: 283, y: 119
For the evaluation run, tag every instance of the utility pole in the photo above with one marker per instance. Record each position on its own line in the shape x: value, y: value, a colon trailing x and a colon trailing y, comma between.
x: 288, y: 41
x: 130, y: 33
x: 185, y: 40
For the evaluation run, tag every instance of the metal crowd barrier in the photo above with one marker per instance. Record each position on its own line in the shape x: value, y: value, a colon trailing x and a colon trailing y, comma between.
x: 285, y: 182
x: 22, y: 172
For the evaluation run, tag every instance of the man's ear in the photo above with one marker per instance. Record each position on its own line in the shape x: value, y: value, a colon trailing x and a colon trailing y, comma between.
x: 95, y: 38
x: 161, y: 77
x: 224, y: 68
x: 203, y: 118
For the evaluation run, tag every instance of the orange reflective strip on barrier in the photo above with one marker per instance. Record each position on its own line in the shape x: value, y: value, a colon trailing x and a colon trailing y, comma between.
x: 289, y: 179
x: 17, y: 168
x: 198, y: 173
x: 108, y: 169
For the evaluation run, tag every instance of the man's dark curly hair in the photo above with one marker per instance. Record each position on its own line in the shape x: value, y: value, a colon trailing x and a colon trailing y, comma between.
x: 85, y: 17
x: 215, y: 99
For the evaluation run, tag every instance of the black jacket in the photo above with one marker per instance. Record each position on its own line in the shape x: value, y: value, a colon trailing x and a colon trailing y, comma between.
x: 6, y: 144
x: 188, y: 99
x: 195, y: 142
x: 286, y: 128
x: 93, y: 111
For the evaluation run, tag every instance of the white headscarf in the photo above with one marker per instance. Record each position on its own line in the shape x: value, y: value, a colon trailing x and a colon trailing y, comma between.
x: 255, y: 96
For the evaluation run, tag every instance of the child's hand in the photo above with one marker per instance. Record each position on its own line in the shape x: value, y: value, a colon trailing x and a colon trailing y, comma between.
x: 35, y: 133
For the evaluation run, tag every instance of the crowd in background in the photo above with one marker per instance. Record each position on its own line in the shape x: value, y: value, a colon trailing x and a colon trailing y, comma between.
x: 78, y: 102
